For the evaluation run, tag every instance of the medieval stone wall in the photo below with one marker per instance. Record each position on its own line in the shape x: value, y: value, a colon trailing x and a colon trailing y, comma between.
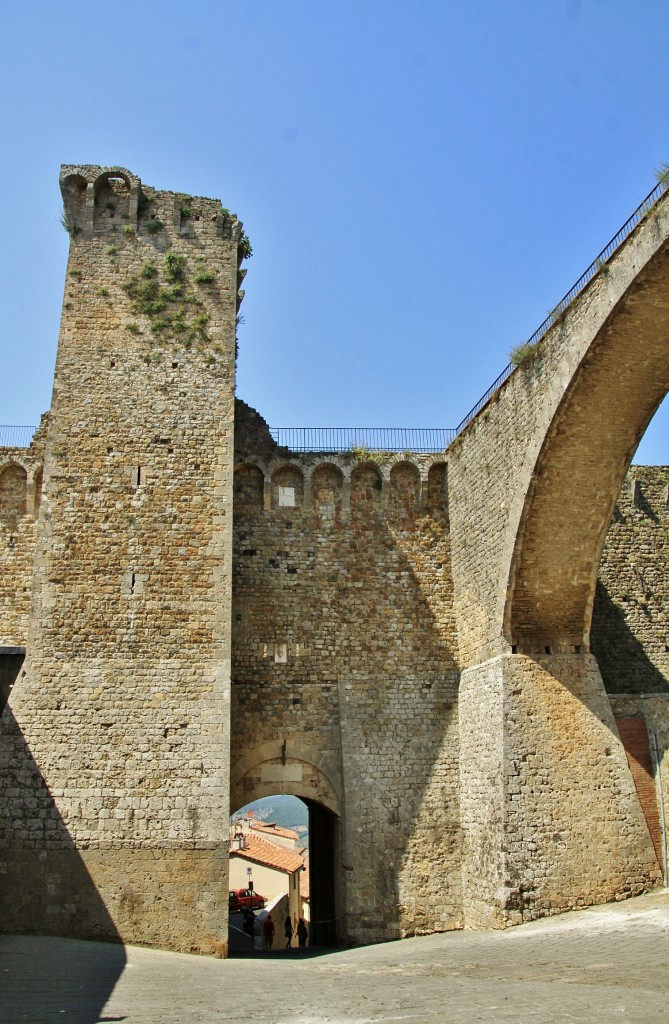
x: 344, y: 650
x: 406, y: 636
x: 631, y: 613
x: 114, y: 753
x: 20, y: 487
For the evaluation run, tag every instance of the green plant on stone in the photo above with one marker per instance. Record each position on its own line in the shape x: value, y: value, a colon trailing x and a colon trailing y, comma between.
x: 525, y: 354
x: 112, y: 250
x: 556, y: 312
x: 103, y: 293
x: 132, y: 327
x: 169, y: 311
x: 205, y: 277
x: 661, y: 174
x: 359, y: 453
x: 128, y: 229
x: 145, y: 292
x: 154, y: 226
x: 186, y: 213
x: 69, y: 225
x: 246, y: 248
x: 173, y: 266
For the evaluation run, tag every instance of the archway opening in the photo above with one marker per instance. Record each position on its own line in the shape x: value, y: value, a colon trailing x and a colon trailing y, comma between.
x: 283, y: 853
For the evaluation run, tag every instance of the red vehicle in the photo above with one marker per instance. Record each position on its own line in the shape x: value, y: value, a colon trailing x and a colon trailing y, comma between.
x: 240, y: 898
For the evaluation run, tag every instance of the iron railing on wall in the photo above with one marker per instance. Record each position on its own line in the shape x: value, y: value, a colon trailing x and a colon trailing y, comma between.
x: 373, y: 439
x: 413, y: 439
x: 597, y: 264
x: 16, y: 437
x: 314, y: 439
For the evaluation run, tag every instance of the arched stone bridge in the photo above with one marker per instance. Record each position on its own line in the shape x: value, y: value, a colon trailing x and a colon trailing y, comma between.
x: 533, y: 483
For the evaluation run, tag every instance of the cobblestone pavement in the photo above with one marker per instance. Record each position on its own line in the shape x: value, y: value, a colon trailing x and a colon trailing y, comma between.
x: 603, y: 964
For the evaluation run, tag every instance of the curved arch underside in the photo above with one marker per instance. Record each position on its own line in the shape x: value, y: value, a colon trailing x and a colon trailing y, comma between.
x: 612, y: 397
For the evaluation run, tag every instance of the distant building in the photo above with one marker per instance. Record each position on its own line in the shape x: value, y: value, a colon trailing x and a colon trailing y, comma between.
x: 277, y: 834
x: 273, y: 869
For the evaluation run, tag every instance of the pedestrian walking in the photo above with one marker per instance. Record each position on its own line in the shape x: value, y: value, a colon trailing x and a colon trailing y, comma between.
x: 268, y: 932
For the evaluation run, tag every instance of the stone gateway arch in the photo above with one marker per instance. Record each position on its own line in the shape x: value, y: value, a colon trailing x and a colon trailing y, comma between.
x: 403, y: 640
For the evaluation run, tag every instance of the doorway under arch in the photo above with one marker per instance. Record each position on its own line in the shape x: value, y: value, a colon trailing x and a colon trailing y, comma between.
x: 257, y: 779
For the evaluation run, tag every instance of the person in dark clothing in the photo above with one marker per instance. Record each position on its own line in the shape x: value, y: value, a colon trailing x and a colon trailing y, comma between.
x: 288, y: 930
x: 302, y: 932
x: 268, y: 932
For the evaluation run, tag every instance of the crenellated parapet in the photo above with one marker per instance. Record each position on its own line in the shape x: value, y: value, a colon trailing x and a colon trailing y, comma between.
x: 112, y: 203
x: 269, y: 476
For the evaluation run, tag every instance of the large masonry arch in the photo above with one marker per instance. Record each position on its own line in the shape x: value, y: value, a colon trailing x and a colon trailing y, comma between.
x: 296, y: 769
x: 554, y: 444
x: 265, y: 772
x: 616, y: 388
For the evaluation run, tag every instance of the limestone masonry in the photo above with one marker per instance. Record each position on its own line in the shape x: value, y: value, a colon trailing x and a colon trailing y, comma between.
x: 459, y: 661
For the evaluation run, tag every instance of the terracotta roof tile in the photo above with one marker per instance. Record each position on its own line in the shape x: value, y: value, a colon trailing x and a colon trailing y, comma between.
x: 263, y: 852
x: 270, y: 828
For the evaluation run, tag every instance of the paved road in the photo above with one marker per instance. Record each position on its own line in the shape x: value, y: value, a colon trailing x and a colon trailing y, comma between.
x: 600, y: 965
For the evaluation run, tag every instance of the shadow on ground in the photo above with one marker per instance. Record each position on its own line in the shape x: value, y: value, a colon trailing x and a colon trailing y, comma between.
x: 43, y: 980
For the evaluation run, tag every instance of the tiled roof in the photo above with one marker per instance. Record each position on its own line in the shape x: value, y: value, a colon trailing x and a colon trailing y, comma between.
x: 263, y: 852
x: 271, y: 828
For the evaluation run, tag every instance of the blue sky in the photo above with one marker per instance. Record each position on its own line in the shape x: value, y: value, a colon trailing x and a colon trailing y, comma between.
x: 421, y: 181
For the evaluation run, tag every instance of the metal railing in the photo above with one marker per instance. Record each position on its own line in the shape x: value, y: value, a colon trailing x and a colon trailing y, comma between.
x: 16, y: 437
x: 597, y: 264
x: 412, y: 439
x: 373, y: 439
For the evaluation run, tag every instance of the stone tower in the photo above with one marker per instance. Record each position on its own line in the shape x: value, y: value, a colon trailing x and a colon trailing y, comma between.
x: 116, y: 764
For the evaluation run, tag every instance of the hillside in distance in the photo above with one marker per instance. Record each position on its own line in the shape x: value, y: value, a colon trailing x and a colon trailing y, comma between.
x: 287, y: 811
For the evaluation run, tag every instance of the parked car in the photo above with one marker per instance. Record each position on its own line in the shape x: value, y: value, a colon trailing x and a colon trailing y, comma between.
x: 240, y: 898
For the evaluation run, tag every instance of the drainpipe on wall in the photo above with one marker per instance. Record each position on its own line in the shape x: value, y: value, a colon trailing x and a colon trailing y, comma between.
x: 664, y: 823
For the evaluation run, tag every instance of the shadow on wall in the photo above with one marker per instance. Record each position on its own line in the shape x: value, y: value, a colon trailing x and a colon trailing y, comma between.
x: 46, y: 890
x: 623, y: 662
x: 362, y: 600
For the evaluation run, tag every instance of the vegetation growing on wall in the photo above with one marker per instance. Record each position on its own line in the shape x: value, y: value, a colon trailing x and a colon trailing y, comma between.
x: 662, y: 174
x: 163, y: 297
x: 361, y: 454
x: 525, y: 354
